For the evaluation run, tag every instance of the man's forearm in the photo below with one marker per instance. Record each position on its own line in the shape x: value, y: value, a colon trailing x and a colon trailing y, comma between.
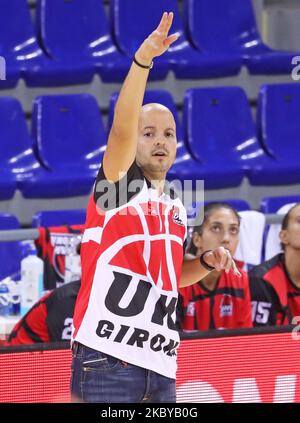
x: 192, y: 272
x: 123, y: 137
x: 128, y: 107
x: 130, y: 100
x: 218, y: 259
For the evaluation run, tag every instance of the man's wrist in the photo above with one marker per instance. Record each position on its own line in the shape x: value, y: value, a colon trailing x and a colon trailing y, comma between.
x: 143, y: 58
x: 141, y: 65
x: 204, y: 263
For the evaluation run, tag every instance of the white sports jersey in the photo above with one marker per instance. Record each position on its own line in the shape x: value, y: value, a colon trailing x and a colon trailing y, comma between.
x: 132, y: 255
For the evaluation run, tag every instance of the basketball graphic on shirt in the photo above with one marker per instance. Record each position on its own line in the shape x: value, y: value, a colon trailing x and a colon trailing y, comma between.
x: 152, y: 258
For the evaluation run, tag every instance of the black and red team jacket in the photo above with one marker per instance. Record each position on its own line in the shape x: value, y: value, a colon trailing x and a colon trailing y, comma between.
x: 50, y: 247
x: 275, y: 298
x: 228, y: 306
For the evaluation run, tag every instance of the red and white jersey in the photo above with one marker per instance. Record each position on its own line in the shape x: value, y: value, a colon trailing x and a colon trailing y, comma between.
x: 131, y: 254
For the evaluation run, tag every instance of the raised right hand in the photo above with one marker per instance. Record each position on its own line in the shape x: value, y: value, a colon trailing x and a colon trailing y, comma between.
x: 158, y: 41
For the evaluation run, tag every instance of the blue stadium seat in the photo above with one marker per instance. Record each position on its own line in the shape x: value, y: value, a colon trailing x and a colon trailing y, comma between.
x: 182, y: 58
x: 184, y: 167
x: 8, y: 221
x: 229, y: 27
x: 239, y: 205
x: 76, y: 35
x: 10, y: 252
x: 19, y: 166
x: 273, y: 204
x: 8, y: 185
x: 15, y: 29
x: 24, y: 57
x: 130, y: 30
x: 221, y: 118
x: 11, y: 74
x: 70, y: 139
x: 220, y: 131
x: 279, y: 127
x: 58, y: 218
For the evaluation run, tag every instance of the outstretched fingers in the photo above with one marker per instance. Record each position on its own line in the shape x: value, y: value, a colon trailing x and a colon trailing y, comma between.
x: 235, y: 269
x: 158, y: 41
x: 165, y: 24
x: 170, y: 40
x: 225, y: 261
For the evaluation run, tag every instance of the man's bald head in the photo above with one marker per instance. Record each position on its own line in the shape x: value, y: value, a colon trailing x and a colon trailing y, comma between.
x: 151, y: 108
x: 154, y: 106
x: 156, y: 133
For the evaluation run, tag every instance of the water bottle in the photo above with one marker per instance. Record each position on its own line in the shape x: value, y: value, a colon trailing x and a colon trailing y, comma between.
x: 32, y: 286
x: 4, y: 300
x: 28, y: 248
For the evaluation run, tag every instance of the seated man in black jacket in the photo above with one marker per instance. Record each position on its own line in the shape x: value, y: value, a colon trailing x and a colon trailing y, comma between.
x: 275, y: 284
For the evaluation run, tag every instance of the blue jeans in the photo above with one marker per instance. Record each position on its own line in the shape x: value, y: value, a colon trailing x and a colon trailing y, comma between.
x: 100, y: 378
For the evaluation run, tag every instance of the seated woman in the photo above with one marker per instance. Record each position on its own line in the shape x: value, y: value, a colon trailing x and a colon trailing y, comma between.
x: 221, y: 300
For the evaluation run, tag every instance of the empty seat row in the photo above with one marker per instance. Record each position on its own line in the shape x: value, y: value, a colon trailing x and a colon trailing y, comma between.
x: 221, y: 133
x: 218, y: 141
x: 71, y: 41
x: 61, y: 156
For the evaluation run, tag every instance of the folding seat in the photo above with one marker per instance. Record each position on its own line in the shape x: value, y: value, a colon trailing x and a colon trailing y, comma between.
x: 220, y: 130
x: 19, y: 166
x: 184, y: 167
x: 8, y: 185
x: 239, y: 205
x: 25, y: 58
x: 8, y: 221
x: 10, y: 252
x: 279, y: 127
x: 75, y: 34
x: 15, y: 39
x: 69, y: 139
x: 182, y: 58
x: 9, y: 73
x: 58, y: 218
x: 229, y: 27
x: 273, y: 204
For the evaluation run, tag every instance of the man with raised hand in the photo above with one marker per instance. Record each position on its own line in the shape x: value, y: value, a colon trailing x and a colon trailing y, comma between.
x: 125, y: 339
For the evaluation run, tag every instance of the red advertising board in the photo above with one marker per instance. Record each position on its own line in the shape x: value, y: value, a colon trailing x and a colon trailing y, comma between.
x: 259, y: 368
x: 249, y: 368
